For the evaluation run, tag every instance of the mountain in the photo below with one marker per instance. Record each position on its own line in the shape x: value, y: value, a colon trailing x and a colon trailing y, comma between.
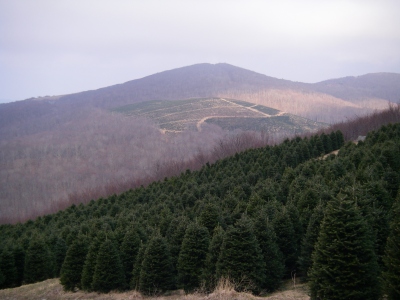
x: 385, y: 86
x: 328, y: 101
x: 71, y: 148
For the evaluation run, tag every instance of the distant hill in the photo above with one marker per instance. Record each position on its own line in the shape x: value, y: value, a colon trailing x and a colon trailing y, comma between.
x: 328, y: 101
x: 384, y: 86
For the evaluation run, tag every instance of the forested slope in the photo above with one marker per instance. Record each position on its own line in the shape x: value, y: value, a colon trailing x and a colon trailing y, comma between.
x: 254, y: 217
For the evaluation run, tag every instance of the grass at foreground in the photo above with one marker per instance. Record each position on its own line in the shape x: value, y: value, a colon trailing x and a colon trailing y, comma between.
x: 51, y: 290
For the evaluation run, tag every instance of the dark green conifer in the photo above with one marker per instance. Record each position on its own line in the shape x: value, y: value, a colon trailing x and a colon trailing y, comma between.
x: 175, y: 235
x: 156, y: 274
x: 192, y: 256
x: 90, y: 263
x: 334, y: 142
x: 209, y: 274
x: 19, y: 258
x: 108, y: 274
x: 209, y: 217
x: 241, y: 259
x: 326, y: 140
x: 392, y: 255
x: 8, y: 269
x: 286, y: 239
x: 137, y: 267
x: 339, y: 139
x: 60, y: 250
x: 273, y: 257
x: 254, y: 204
x: 319, y: 146
x: 71, y: 270
x: 309, y: 240
x: 129, y: 250
x: 37, y: 261
x: 344, y: 262
x: 2, y: 278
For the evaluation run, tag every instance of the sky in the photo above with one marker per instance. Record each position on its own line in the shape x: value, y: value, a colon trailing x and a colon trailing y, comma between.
x: 59, y: 47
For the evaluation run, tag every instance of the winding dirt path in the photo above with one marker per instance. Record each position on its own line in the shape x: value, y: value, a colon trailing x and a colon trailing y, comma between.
x: 199, y: 123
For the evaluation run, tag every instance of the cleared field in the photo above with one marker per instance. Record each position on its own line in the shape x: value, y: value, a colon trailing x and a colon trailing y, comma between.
x: 52, y: 290
x: 180, y: 115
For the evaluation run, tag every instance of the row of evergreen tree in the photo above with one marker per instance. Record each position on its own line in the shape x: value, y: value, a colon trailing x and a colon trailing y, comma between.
x: 255, y: 218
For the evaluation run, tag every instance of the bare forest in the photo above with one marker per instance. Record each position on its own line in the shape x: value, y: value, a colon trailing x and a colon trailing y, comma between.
x: 100, y: 155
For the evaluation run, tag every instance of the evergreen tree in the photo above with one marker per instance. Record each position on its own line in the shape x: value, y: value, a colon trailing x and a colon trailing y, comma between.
x: 241, y: 258
x: 137, y: 267
x: 339, y: 139
x: 209, y: 217
x: 60, y: 250
x: 129, y: 250
x: 273, y: 257
x: 326, y: 140
x: 286, y: 239
x: 2, y: 278
x: 90, y: 263
x: 8, y: 269
x: 71, y: 270
x: 37, y: 261
x: 344, y: 262
x: 309, y: 240
x: 334, y: 142
x: 155, y: 275
x: 210, y: 268
x: 319, y: 146
x: 175, y: 235
x: 108, y: 274
x: 19, y: 258
x: 392, y: 255
x: 192, y: 256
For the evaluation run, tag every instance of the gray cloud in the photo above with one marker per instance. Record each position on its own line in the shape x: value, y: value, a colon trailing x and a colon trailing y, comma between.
x: 58, y: 47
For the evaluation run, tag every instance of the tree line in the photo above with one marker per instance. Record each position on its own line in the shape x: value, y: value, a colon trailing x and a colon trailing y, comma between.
x: 257, y: 217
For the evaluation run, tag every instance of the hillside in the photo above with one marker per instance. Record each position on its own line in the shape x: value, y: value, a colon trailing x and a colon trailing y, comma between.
x: 255, y: 217
x: 357, y: 89
x: 180, y: 115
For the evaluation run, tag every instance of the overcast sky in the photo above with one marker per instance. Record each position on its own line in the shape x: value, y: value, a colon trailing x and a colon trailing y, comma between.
x: 54, y: 47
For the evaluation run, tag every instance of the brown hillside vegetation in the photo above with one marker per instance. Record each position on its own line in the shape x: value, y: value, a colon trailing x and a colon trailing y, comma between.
x: 52, y: 290
x: 101, y: 155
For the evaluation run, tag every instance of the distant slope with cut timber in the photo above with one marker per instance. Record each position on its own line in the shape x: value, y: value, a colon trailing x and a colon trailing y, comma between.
x: 191, y: 114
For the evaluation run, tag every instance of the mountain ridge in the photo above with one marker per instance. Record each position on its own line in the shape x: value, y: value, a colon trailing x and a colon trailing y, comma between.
x: 370, y: 91
x: 326, y: 101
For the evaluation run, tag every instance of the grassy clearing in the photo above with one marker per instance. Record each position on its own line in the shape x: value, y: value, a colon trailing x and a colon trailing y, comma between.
x: 51, y: 290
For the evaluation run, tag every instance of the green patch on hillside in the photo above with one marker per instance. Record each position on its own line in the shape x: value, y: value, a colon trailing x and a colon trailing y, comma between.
x: 285, y: 123
x: 190, y: 114
x: 267, y: 110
